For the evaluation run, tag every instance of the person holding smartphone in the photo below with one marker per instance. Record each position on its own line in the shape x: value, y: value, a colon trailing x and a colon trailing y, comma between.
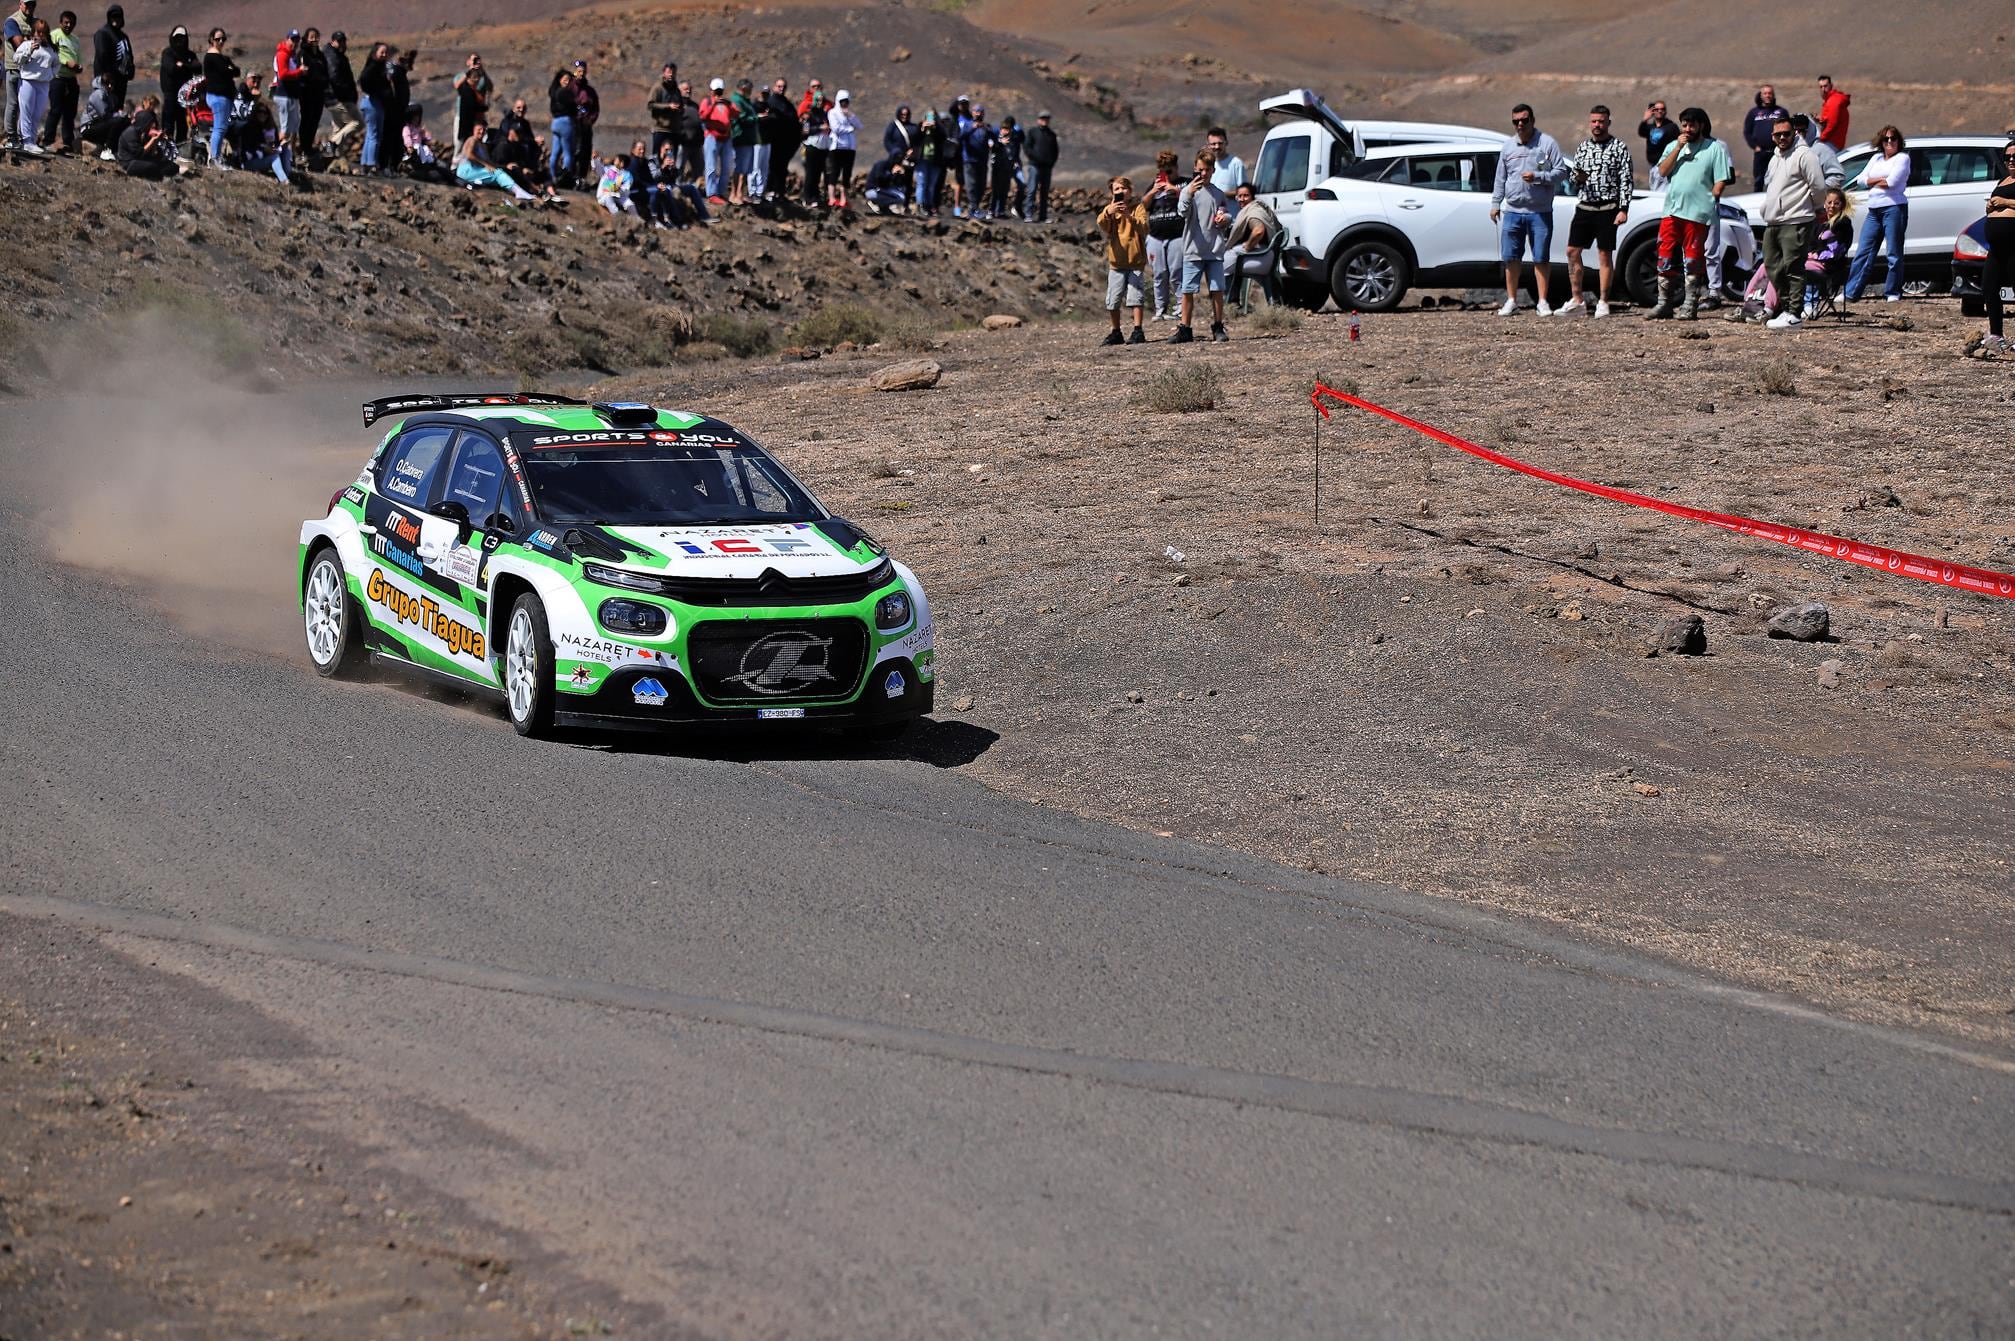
x: 1206, y: 218
x: 1123, y: 221
x: 1696, y: 169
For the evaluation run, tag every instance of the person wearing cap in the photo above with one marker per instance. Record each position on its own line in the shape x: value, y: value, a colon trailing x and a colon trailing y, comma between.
x: 288, y: 68
x: 1041, y: 151
x: 587, y: 111
x: 112, y: 59
x: 339, y: 96
x: 60, y: 129
x: 846, y: 128
x: 717, y: 120
x: 746, y: 136
x: 18, y: 28
x: 178, y: 66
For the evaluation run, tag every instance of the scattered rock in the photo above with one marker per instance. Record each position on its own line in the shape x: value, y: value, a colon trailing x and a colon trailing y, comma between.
x: 1829, y: 673
x: 1000, y: 321
x: 899, y: 55
x: 963, y: 703
x: 1894, y: 655
x: 909, y: 375
x: 1646, y: 789
x: 1135, y: 696
x: 1182, y: 579
x: 1474, y: 613
x: 976, y: 467
x: 1572, y: 610
x: 1589, y: 551
x: 1375, y: 637
x: 1729, y: 571
x: 1683, y: 635
x: 1880, y: 496
x: 1806, y: 623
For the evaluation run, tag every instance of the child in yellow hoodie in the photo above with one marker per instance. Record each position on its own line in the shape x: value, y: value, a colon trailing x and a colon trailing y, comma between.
x: 1124, y: 223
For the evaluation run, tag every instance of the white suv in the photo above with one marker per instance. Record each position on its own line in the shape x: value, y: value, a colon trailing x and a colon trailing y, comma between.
x: 1950, y: 176
x: 1419, y: 216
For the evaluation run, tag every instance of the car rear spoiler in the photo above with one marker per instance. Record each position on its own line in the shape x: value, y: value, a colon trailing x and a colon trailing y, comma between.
x: 374, y: 410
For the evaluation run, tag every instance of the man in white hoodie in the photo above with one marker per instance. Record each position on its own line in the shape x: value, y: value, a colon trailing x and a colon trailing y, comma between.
x: 1794, y: 189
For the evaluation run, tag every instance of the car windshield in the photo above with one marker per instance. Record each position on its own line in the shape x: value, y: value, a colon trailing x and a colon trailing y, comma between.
x: 650, y: 485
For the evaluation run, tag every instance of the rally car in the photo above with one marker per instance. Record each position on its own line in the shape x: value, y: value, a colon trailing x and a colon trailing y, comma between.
x: 609, y: 565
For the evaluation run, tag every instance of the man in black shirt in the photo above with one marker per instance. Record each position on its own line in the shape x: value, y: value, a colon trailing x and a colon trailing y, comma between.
x: 1041, y: 153
x: 178, y: 66
x: 1658, y: 132
x: 112, y: 57
x: 666, y: 109
x: 314, y: 88
x: 339, y: 99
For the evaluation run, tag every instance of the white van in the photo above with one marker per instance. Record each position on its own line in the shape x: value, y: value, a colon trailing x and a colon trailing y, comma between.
x: 1309, y: 143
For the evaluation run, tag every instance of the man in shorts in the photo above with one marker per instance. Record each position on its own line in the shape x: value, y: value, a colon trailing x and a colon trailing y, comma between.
x: 1603, y: 178
x: 1529, y: 169
x: 1124, y: 223
x: 1206, y: 215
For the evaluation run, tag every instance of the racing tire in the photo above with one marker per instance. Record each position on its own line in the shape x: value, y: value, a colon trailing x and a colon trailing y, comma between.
x: 1369, y: 277
x: 1304, y: 294
x: 527, y: 668
x: 1734, y: 279
x: 330, y: 617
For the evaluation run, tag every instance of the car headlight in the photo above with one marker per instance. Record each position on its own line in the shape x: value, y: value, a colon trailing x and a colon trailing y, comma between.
x: 893, y: 610
x: 621, y: 616
x: 617, y: 577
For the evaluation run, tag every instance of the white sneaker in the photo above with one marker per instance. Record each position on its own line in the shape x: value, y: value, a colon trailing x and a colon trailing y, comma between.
x: 1542, y: 309
x: 1510, y: 308
x: 1785, y: 321
x: 107, y: 155
x: 1574, y: 309
x: 1602, y: 309
x: 1892, y: 297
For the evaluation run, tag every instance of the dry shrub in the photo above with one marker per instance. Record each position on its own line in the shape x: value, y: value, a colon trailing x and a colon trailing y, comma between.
x: 1186, y: 389
x: 1776, y: 378
x: 1274, y: 319
x: 738, y: 337
x: 832, y: 325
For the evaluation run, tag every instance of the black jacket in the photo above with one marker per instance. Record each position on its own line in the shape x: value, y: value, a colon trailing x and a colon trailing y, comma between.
x: 891, y: 173
x: 560, y: 101
x: 178, y: 66
x: 220, y: 75
x: 376, y: 81
x: 342, y: 79
x: 315, y: 80
x: 665, y: 107
x: 897, y: 138
x: 112, y: 50
x: 1041, y: 146
x: 133, y: 142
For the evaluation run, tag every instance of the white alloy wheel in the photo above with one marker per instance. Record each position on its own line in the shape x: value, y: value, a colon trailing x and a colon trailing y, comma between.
x: 325, y: 616
x: 521, y: 665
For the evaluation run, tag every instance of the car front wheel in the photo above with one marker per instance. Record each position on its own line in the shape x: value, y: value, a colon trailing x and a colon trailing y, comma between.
x: 329, y: 617
x: 528, y: 668
x: 1369, y: 276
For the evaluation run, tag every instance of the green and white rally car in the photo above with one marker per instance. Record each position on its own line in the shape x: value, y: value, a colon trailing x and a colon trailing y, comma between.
x: 609, y: 565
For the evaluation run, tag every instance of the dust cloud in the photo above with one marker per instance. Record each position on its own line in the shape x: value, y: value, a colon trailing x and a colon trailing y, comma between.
x: 183, y: 482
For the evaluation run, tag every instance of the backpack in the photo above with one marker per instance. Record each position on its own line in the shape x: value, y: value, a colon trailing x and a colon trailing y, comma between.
x: 1164, y: 216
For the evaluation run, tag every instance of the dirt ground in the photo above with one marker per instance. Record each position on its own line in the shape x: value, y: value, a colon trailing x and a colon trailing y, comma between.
x: 152, y: 1190
x: 1445, y: 685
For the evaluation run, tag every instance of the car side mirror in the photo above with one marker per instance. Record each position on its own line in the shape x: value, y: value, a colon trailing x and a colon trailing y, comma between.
x: 451, y: 510
x: 501, y: 523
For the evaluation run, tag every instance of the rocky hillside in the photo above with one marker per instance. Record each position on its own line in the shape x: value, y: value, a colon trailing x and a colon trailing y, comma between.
x: 354, y: 276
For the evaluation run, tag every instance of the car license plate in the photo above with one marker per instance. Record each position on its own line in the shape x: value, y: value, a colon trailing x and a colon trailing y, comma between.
x: 773, y: 714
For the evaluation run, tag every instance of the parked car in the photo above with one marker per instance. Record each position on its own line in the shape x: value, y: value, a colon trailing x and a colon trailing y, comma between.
x: 1309, y: 143
x: 1950, y: 176
x: 1419, y: 216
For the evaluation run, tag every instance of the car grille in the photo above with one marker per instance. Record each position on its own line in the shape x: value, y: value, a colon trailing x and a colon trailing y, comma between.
x: 773, y: 588
x: 776, y: 661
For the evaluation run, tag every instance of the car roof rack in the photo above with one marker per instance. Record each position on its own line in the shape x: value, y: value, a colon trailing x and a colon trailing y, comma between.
x: 374, y: 410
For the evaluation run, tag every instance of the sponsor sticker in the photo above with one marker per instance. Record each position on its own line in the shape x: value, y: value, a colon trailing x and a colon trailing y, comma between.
x: 406, y: 559
x: 402, y: 528
x: 747, y: 544
x: 425, y: 612
x: 584, y: 647
x: 353, y: 495
x: 895, y: 685
x: 779, y: 714
x: 462, y: 564
x: 545, y: 540
x: 649, y: 693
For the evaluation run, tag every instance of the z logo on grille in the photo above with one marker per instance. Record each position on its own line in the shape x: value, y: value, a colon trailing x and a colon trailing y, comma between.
x: 783, y: 662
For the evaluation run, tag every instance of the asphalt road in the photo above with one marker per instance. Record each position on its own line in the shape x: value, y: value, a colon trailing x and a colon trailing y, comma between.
x: 812, y: 1043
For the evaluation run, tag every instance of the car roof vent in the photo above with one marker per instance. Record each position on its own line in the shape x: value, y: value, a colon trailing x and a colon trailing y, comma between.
x: 626, y: 413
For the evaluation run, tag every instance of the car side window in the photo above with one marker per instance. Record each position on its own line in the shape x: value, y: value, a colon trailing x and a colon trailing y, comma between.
x: 476, y: 480
x: 413, y: 466
x: 765, y: 493
x: 1853, y: 165
x: 1446, y: 172
x: 1949, y: 167
x: 1283, y: 164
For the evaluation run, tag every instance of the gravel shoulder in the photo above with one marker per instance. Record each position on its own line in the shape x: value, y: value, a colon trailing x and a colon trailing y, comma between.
x: 1445, y: 684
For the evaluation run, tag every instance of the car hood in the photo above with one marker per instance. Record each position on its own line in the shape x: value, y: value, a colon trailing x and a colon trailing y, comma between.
x: 794, y: 549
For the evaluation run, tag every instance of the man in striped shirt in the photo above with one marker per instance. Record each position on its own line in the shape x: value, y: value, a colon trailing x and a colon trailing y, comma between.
x: 1602, y: 184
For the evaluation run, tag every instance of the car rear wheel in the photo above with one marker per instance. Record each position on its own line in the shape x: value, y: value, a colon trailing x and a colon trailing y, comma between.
x: 1369, y: 276
x: 528, y: 668
x: 329, y: 617
x: 1640, y: 273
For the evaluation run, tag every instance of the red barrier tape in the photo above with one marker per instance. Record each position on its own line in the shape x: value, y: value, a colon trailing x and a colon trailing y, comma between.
x: 1983, y: 580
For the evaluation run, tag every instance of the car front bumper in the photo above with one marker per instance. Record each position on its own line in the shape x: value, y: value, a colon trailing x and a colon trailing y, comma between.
x: 616, y: 706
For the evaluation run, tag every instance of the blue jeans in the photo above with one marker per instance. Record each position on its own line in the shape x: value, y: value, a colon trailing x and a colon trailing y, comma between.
x: 560, y: 148
x: 720, y: 157
x: 930, y: 183
x: 374, y: 129
x: 1517, y: 226
x: 1884, y: 229
x: 220, y: 120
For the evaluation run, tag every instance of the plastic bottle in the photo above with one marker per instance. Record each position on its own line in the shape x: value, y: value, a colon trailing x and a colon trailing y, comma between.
x: 1355, y: 328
